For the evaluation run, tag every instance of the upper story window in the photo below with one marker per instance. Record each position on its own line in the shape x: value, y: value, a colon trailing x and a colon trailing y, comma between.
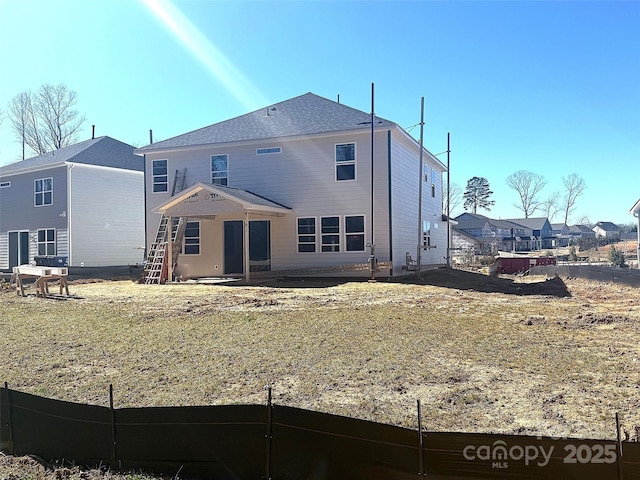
x: 346, y: 161
x: 433, y: 183
x: 268, y: 151
x: 5, y: 184
x: 219, y: 170
x: 160, y: 179
x: 43, y: 191
x: 46, y: 241
x: 306, y: 235
x: 354, y: 230
x: 192, y: 238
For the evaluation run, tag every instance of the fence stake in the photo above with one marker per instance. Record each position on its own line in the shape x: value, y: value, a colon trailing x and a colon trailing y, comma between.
x: 113, y: 428
x: 6, y: 388
x: 420, y: 441
x: 267, y: 465
x: 620, y: 473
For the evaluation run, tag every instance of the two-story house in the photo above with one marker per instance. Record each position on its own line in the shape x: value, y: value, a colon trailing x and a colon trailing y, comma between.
x: 84, y: 202
x: 492, y: 235
x: 541, y: 231
x: 307, y: 184
x: 607, y: 230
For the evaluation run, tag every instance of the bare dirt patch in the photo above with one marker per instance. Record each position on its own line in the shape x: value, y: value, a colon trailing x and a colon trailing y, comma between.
x: 508, y: 355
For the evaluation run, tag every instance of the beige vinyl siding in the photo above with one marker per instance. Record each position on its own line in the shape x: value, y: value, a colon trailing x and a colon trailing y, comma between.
x: 301, y: 177
x: 406, y: 175
x: 106, y: 216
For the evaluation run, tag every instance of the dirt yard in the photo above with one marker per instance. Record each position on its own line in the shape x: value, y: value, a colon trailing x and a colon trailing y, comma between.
x: 522, y: 355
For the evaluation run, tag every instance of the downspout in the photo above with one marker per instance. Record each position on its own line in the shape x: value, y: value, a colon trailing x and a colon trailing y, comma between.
x: 146, y: 213
x: 390, y: 203
x: 245, y: 248
x: 69, y: 216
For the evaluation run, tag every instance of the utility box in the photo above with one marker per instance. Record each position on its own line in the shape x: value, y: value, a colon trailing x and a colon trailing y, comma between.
x: 50, y: 261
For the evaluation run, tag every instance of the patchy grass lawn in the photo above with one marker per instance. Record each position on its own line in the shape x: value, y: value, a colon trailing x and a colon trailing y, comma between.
x: 526, y: 355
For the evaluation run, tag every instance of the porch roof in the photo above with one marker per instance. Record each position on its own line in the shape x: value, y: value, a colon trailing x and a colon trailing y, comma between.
x: 204, y: 200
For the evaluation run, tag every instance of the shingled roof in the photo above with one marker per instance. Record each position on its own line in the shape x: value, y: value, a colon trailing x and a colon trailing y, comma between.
x: 307, y: 114
x: 103, y: 151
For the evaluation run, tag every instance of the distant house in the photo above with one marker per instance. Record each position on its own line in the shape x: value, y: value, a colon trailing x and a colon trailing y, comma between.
x: 607, y: 230
x: 84, y: 202
x: 488, y: 234
x: 561, y: 233
x: 294, y: 187
x: 541, y: 231
x: 495, y: 235
x: 581, y: 231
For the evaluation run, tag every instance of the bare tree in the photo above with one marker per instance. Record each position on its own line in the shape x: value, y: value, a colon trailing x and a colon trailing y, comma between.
x: 477, y: 195
x: 455, y: 198
x: 552, y: 205
x: 46, y: 120
x: 575, y: 186
x: 528, y: 185
x: 24, y: 122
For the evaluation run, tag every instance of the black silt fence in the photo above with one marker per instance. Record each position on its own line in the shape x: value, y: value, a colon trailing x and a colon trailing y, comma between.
x: 285, y: 443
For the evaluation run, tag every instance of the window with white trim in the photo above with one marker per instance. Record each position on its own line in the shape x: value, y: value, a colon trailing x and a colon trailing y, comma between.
x: 306, y: 235
x: 346, y: 161
x: 426, y: 233
x: 43, y: 191
x: 160, y: 177
x: 330, y: 229
x: 46, y: 241
x: 354, y: 233
x: 192, y: 238
x: 219, y: 170
x: 433, y: 183
x: 5, y: 184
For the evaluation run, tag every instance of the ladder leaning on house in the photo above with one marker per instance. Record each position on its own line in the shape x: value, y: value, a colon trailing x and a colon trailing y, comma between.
x: 156, y: 268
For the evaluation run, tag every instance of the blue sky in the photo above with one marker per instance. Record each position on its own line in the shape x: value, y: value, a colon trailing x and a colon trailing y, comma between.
x: 546, y: 86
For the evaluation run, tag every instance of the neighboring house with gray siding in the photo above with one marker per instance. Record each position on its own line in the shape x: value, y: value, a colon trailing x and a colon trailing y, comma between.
x: 84, y: 202
x: 289, y: 187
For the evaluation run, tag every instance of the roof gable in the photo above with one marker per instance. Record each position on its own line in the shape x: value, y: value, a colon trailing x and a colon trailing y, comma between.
x: 534, y: 223
x: 101, y: 151
x: 608, y: 226
x: 307, y: 114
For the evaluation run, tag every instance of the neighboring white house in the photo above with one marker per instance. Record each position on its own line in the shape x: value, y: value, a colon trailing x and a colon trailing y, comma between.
x: 289, y: 187
x: 84, y: 202
x: 606, y: 230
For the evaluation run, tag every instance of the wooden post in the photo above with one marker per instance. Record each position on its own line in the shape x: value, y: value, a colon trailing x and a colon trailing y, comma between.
x: 6, y: 389
x: 268, y: 436
x: 245, y: 246
x: 113, y: 428
x: 619, y: 462
x: 169, y: 252
x: 420, y: 441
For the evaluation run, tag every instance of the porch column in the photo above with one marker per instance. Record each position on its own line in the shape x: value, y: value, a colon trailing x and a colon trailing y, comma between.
x: 169, y: 251
x: 245, y: 247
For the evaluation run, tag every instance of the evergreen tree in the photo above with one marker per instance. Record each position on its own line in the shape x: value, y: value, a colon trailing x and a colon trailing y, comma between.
x: 477, y: 195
